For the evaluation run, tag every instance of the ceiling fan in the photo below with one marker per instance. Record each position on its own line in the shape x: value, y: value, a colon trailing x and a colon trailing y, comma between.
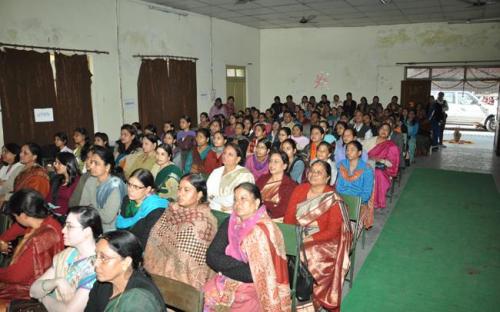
x: 479, y: 3
x: 305, y: 20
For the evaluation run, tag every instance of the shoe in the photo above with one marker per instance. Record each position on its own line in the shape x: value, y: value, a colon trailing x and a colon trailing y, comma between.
x: 442, y: 145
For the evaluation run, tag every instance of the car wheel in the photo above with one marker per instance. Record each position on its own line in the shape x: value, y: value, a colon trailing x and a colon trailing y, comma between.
x: 490, y: 124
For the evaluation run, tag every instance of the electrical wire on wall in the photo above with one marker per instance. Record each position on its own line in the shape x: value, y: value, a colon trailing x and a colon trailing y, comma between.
x: 212, y: 91
x: 117, y: 18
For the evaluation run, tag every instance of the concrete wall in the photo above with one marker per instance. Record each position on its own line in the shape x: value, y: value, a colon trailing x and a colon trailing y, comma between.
x: 362, y: 59
x: 125, y: 28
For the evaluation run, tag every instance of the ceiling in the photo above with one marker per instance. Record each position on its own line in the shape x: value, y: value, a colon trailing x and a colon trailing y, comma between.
x: 265, y: 14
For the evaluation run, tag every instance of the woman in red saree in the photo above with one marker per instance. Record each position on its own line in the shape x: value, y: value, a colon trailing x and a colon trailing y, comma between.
x: 33, y: 175
x: 383, y: 155
x: 42, y: 240
x: 248, y: 253
x: 317, y: 207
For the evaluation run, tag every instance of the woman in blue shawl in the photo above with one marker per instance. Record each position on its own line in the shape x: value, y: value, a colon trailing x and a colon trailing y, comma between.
x: 142, y: 208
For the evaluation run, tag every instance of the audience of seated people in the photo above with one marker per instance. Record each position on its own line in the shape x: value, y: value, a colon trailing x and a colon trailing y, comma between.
x: 327, y: 148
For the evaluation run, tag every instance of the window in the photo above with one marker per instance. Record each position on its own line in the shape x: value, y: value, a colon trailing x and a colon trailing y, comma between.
x: 230, y: 72
x: 233, y: 71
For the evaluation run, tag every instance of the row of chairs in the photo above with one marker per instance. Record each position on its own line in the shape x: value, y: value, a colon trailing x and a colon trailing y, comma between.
x: 184, y: 297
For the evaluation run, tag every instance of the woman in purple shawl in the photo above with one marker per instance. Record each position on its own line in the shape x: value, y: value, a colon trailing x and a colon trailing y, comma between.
x: 258, y: 163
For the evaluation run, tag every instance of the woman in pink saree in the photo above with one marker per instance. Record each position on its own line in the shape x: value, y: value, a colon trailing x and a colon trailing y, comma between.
x: 248, y: 254
x: 383, y: 155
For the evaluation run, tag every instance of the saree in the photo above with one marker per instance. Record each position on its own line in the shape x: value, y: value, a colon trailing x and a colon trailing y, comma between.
x: 327, y: 243
x: 41, y: 244
x: 195, y: 162
x: 360, y: 182
x: 220, y: 186
x: 258, y: 242
x: 80, y: 273
x: 387, y: 153
x: 138, y: 160
x: 178, y: 243
x: 167, y: 181
x: 34, y: 177
x: 276, y: 194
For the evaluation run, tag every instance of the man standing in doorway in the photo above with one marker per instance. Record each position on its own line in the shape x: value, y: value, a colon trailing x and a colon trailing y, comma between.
x: 444, y: 107
x: 436, y: 115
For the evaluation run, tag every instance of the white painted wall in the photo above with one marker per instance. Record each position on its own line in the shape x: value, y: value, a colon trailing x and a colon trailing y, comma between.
x: 362, y: 59
x: 96, y: 25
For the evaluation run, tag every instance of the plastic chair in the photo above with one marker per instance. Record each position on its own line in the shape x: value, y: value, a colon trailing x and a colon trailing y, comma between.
x: 353, y: 204
x: 220, y: 216
x: 179, y: 295
x: 292, y: 247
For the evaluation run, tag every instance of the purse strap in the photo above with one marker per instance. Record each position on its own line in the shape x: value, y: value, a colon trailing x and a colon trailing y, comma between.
x: 299, y: 232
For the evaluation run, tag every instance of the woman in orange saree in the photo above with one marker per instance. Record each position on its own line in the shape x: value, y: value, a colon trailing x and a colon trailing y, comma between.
x: 248, y: 252
x: 318, y: 208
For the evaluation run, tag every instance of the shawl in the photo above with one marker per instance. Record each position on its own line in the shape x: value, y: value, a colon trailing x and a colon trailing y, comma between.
x: 45, y: 242
x: 256, y: 167
x: 328, y: 261
x: 79, y: 273
x: 105, y: 188
x: 178, y: 243
x: 237, y: 231
x: 164, y: 178
x: 139, y: 160
x: 34, y: 177
x: 389, y: 153
x: 133, y: 213
x: 275, y: 195
x: 264, y: 248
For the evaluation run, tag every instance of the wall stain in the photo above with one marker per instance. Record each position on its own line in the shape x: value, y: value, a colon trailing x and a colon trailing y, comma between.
x: 12, y: 34
x: 393, y: 38
x: 136, y: 39
x: 436, y: 38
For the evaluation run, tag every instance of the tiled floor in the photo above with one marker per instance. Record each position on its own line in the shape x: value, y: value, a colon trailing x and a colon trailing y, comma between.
x: 477, y: 156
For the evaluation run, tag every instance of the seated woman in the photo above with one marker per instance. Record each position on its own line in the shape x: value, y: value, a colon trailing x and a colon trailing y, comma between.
x: 66, y: 285
x: 258, y: 163
x: 33, y: 175
x: 144, y: 159
x: 214, y: 160
x: 239, y: 138
x: 61, y: 142
x: 101, y: 139
x: 204, y: 121
x: 317, y: 134
x: 81, y: 138
x: 348, y: 135
x: 356, y: 178
x: 324, y: 152
x: 258, y: 134
x: 170, y: 139
x: 195, y: 161
x: 283, y: 134
x: 299, y: 138
x: 384, y: 156
x: 223, y: 180
x: 276, y: 186
x: 248, y: 252
x: 185, y: 139
x: 10, y: 169
x: 41, y: 241
x: 141, y: 208
x: 128, y: 144
x: 167, y: 174
x: 76, y: 197
x: 178, y: 243
x: 316, y: 206
x: 297, y: 164
x: 64, y: 183
x: 105, y: 189
x: 122, y: 284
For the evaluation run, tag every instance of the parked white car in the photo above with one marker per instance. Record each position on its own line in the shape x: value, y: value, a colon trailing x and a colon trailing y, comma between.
x: 466, y: 109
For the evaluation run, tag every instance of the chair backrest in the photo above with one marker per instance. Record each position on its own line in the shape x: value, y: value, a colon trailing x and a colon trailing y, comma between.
x: 179, y: 295
x: 290, y: 237
x: 353, y: 205
x: 220, y: 216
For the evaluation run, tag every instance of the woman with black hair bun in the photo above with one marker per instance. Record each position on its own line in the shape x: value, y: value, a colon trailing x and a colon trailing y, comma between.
x: 145, y: 158
x: 141, y: 208
x: 66, y: 285
x: 178, y: 242
x: 33, y: 175
x: 64, y: 183
x: 41, y: 241
x: 105, y: 189
x: 122, y: 284
x: 11, y: 167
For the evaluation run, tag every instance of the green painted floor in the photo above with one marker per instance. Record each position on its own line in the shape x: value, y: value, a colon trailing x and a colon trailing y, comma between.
x: 439, y: 250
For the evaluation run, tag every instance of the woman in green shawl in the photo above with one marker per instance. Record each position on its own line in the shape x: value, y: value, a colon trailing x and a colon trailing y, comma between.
x: 167, y: 173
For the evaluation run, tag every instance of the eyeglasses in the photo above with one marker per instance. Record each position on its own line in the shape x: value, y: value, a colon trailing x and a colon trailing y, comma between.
x: 70, y: 226
x: 135, y: 187
x: 104, y: 259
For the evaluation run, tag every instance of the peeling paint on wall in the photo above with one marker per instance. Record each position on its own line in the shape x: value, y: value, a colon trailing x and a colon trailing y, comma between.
x: 392, y: 38
x: 439, y: 37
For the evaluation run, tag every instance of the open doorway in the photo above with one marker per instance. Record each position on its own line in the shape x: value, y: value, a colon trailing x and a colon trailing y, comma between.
x: 236, y: 85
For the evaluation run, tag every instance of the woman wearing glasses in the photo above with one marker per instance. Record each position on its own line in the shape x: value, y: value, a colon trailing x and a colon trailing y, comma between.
x: 142, y: 207
x: 122, y: 284
x: 66, y: 285
x: 320, y: 210
x: 105, y: 189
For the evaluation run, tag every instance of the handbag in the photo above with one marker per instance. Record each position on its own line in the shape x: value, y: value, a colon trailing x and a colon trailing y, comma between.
x: 305, y: 280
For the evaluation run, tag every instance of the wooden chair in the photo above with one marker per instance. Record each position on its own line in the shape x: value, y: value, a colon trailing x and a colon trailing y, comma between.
x: 179, y: 295
x: 354, y: 207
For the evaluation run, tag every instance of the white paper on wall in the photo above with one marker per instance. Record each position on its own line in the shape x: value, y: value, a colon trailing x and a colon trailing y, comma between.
x: 44, y: 114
